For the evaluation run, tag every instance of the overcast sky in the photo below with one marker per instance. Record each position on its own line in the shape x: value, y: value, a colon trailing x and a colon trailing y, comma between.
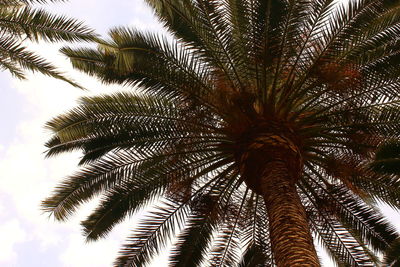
x: 27, y: 236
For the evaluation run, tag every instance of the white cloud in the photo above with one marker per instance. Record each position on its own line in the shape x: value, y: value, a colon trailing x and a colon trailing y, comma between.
x: 11, y: 234
x: 96, y: 254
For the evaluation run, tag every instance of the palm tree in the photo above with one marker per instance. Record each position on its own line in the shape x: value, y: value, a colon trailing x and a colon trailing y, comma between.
x: 248, y: 133
x: 20, y: 21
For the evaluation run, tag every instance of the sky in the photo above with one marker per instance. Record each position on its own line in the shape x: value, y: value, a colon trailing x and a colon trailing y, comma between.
x: 28, y: 237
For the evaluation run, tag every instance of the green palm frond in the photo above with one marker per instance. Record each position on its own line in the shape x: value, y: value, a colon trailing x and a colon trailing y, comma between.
x: 16, y: 57
x: 227, y: 246
x: 153, y: 233
x: 364, y: 222
x: 160, y: 226
x: 38, y: 24
x: 19, y: 21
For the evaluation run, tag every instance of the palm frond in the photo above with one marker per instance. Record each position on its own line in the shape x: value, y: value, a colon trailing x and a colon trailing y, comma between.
x: 15, y: 57
x: 38, y: 24
x: 161, y: 225
x: 20, y: 21
x: 387, y: 159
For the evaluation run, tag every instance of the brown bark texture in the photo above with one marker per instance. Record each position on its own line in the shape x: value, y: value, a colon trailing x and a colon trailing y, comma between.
x: 291, y: 240
x: 271, y: 165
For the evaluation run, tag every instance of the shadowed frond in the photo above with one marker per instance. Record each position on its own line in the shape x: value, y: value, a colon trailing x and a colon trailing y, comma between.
x: 387, y: 159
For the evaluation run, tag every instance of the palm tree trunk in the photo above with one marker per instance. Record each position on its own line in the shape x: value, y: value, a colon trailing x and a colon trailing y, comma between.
x: 291, y: 240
